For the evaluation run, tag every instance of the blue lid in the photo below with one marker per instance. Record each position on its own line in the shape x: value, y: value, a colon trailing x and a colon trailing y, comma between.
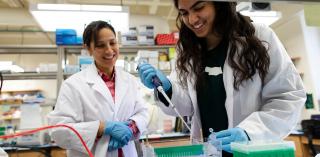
x: 66, y: 31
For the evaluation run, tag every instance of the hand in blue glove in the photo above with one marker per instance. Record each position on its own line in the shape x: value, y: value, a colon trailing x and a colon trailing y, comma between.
x: 147, y: 72
x: 231, y: 135
x: 120, y: 131
x: 114, y: 144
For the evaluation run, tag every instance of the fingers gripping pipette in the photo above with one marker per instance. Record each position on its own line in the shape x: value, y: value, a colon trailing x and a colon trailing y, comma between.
x: 158, y: 85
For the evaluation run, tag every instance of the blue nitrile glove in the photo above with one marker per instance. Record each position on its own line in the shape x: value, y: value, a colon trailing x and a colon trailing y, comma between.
x: 147, y: 72
x: 120, y: 131
x: 114, y: 144
x: 231, y: 135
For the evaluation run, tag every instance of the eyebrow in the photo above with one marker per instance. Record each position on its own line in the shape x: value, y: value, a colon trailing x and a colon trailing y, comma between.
x: 193, y: 5
x: 106, y: 39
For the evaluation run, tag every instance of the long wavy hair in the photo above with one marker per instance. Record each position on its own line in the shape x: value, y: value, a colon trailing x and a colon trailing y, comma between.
x: 247, y: 54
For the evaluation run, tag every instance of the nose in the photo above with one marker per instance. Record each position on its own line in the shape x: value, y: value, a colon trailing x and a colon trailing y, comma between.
x: 108, y: 49
x: 193, y: 18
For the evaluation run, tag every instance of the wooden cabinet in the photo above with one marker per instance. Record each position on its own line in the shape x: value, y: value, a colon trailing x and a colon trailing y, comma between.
x: 297, y: 142
x: 301, y: 143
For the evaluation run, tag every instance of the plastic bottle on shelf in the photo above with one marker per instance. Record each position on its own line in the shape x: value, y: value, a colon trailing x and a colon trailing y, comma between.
x: 9, y: 131
x: 133, y: 65
x: 126, y: 64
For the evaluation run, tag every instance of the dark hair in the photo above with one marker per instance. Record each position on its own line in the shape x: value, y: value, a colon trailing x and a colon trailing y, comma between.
x: 247, y: 54
x: 91, y: 31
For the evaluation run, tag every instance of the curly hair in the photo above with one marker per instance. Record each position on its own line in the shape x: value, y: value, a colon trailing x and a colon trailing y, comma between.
x: 247, y: 54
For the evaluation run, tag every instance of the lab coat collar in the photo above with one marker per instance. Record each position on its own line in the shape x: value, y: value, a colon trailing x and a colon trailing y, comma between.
x: 95, y: 81
x: 121, y: 85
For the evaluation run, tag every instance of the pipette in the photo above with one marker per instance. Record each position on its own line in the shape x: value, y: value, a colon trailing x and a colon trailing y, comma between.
x: 158, y: 84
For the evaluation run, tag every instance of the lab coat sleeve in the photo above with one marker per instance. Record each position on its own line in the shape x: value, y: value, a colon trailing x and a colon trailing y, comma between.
x: 180, y: 98
x: 283, y: 95
x: 69, y: 111
x: 141, y: 116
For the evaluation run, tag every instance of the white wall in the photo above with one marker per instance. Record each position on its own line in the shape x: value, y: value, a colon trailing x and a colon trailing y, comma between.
x: 312, y: 38
x: 293, y: 35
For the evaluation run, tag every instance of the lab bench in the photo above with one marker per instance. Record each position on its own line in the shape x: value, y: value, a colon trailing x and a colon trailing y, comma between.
x: 178, y: 139
x: 48, y: 150
x: 156, y: 140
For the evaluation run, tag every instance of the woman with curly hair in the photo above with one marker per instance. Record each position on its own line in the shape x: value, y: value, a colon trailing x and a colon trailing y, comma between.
x: 231, y: 75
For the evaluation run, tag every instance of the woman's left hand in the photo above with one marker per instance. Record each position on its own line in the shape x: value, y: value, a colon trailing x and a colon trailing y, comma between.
x: 231, y: 135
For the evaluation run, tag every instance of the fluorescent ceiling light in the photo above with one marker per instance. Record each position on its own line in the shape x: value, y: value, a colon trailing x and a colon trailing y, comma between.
x: 101, y: 8
x: 265, y: 17
x: 58, y: 7
x: 59, y: 16
x: 78, y: 7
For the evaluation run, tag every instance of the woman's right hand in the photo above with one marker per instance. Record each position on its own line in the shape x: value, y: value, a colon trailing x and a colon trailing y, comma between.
x: 148, y: 72
x: 119, y: 131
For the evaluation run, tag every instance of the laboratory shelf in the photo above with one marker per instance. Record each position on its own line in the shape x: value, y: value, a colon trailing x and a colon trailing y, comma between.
x: 9, y: 118
x: 123, y: 49
x: 166, y: 72
x: 29, y: 76
x: 28, y: 49
x: 42, y: 104
x: 63, y: 52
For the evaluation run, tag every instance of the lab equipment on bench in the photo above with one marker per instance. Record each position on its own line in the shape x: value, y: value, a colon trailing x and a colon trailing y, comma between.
x: 180, y: 151
x: 263, y: 149
x: 50, y: 127
x: 31, y: 119
x: 196, y: 150
x: 213, y: 147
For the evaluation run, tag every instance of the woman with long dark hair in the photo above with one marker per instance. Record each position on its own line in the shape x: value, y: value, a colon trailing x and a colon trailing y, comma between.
x: 231, y: 75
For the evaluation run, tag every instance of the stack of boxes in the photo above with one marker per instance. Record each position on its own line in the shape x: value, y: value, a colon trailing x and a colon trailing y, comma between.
x: 146, y: 35
x: 130, y: 37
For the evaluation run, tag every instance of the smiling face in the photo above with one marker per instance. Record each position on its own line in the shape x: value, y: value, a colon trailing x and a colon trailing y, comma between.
x: 197, y: 16
x: 106, y: 50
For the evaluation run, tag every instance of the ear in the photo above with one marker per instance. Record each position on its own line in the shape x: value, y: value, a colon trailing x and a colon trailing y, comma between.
x: 87, y: 48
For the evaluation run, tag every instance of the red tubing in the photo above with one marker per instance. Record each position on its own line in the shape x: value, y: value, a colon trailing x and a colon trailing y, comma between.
x: 49, y: 127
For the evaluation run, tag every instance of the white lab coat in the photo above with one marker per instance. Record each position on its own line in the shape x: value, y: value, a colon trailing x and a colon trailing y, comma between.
x: 265, y: 110
x: 84, y: 100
